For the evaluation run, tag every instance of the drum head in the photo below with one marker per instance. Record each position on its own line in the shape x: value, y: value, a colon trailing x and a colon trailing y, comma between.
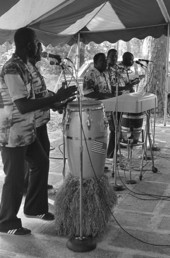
x: 85, y: 103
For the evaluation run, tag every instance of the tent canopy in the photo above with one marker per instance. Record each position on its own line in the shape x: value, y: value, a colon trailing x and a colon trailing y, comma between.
x: 59, y: 21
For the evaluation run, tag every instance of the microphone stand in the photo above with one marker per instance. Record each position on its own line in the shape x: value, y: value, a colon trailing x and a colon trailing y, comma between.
x: 153, y: 147
x: 64, y: 85
x: 117, y: 187
x: 81, y: 243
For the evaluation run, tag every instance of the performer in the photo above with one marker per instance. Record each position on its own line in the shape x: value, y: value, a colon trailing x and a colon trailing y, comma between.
x: 96, y: 82
x: 18, y: 137
x: 128, y: 79
x: 120, y: 76
x: 114, y: 72
x: 42, y: 116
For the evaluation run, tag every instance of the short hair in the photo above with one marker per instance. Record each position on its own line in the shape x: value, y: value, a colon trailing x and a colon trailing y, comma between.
x: 127, y: 55
x: 97, y: 56
x: 23, y: 36
x: 112, y: 50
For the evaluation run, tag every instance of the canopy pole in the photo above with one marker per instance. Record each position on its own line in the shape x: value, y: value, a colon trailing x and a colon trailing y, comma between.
x: 166, y: 76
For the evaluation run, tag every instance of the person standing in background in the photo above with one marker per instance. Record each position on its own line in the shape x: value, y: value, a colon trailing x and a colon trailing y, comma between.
x: 128, y: 79
x: 96, y: 83
x: 112, y: 69
x: 119, y: 81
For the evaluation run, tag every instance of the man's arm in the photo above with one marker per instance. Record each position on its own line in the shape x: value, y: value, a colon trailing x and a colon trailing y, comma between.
x: 25, y: 105
x: 92, y: 91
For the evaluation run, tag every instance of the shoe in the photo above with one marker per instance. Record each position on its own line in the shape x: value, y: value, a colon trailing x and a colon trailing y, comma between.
x: 49, y: 187
x: 45, y: 216
x: 17, y: 231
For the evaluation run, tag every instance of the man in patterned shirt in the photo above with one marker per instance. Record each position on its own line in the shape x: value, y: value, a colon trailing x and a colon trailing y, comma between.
x: 112, y: 69
x: 121, y: 80
x: 96, y: 82
x: 127, y: 79
x: 18, y: 137
x: 42, y: 116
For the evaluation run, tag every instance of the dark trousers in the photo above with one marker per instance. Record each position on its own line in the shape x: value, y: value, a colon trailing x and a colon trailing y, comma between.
x: 111, y: 142
x: 36, y: 201
x: 43, y: 138
x: 42, y: 135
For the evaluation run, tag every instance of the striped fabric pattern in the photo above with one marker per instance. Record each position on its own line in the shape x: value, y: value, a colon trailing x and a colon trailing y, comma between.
x: 42, y: 116
x: 16, y: 129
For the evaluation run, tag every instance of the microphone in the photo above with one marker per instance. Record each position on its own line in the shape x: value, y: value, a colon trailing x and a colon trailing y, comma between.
x: 137, y: 62
x: 46, y: 55
x: 144, y: 60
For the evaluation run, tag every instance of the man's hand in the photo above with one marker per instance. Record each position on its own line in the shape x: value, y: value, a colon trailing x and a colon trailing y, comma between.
x: 64, y: 95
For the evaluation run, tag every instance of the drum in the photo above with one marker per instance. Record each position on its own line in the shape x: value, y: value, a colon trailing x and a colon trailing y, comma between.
x: 94, y: 138
x: 131, y: 127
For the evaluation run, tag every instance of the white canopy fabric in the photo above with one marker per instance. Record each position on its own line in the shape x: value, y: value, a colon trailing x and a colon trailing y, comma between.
x: 59, y: 21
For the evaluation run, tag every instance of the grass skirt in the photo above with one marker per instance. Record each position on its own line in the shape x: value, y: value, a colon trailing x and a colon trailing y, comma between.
x: 98, y: 199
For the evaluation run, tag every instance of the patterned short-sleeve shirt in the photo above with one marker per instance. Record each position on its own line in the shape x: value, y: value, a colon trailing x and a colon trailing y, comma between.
x: 16, y: 129
x: 42, y: 116
x: 120, y: 75
x: 96, y: 81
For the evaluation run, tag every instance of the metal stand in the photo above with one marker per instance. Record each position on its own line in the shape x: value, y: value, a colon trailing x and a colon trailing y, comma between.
x: 154, y: 148
x: 154, y: 169
x: 81, y: 243
x: 117, y: 187
x: 64, y: 148
x: 130, y: 147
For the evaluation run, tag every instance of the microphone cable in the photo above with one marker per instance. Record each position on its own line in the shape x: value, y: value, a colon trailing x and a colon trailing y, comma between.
x: 119, y: 224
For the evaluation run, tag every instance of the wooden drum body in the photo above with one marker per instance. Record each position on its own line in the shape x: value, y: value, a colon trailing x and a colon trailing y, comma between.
x: 131, y: 127
x: 93, y: 127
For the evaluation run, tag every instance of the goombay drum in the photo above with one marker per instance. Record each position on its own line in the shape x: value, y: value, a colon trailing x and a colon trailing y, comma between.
x: 131, y: 127
x: 92, y: 138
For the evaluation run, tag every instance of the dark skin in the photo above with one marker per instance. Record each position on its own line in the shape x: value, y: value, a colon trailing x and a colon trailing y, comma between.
x: 33, y: 61
x: 112, y: 57
x: 112, y: 60
x: 24, y: 105
x: 128, y: 61
x: 100, y: 64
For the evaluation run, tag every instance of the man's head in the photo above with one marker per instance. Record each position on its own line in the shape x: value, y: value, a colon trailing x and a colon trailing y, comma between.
x: 26, y: 42
x: 128, y: 59
x: 112, y: 57
x: 100, y: 62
